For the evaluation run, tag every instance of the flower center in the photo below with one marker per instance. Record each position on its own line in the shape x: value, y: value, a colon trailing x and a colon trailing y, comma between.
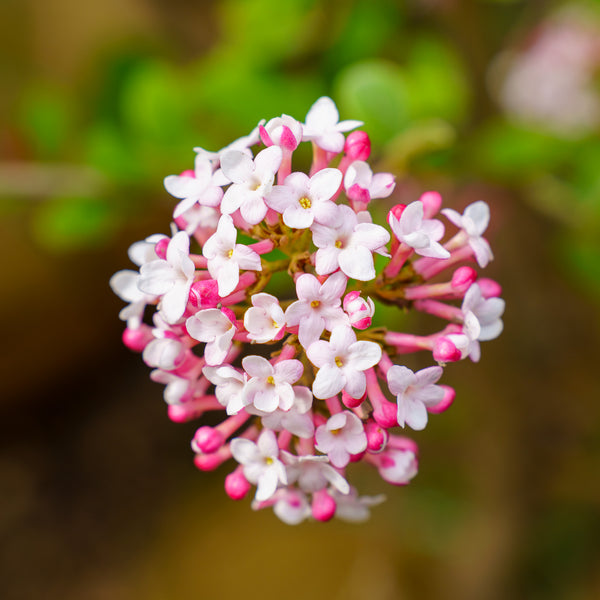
x: 270, y: 380
x: 338, y: 361
x: 315, y: 304
x: 336, y: 431
x: 268, y: 460
x: 274, y: 324
x: 305, y: 202
x: 230, y: 253
x: 338, y: 243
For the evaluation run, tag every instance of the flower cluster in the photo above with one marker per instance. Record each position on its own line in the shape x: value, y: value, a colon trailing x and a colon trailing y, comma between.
x: 305, y: 385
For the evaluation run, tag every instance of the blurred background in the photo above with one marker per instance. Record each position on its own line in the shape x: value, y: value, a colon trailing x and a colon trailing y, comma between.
x: 494, y: 100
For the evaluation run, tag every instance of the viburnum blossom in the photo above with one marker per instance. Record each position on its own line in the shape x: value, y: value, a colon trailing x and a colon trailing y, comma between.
x: 299, y: 379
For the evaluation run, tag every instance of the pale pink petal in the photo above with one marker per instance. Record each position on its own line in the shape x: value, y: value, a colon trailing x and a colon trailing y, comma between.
x: 289, y: 370
x: 328, y: 382
x: 364, y: 355
x: 356, y: 383
x: 357, y: 263
x: 257, y: 366
x: 325, y: 183
x: 326, y: 260
x: 237, y: 166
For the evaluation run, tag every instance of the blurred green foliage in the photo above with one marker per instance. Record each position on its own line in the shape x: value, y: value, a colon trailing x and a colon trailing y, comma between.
x: 400, y: 68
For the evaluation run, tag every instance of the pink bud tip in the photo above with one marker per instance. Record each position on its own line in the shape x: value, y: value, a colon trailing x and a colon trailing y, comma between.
x: 208, y: 462
x: 386, y: 414
x: 432, y: 202
x: 445, y: 402
x: 323, y: 506
x: 489, y: 288
x: 463, y: 278
x: 358, y: 194
x: 265, y: 138
x: 160, y: 248
x: 137, y: 339
x: 287, y: 140
x: 377, y: 437
x: 182, y: 413
x: 351, y: 402
x: 358, y: 145
x: 357, y: 457
x: 188, y: 173
x: 236, y: 485
x: 204, y: 294
x: 208, y: 440
x: 397, y: 211
x: 444, y: 350
x: 229, y: 314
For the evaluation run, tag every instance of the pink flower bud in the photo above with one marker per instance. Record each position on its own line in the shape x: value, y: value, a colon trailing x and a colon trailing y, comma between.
x: 377, y: 437
x: 161, y: 248
x: 397, y: 211
x: 446, y: 401
x: 182, y: 413
x: 204, y: 294
x: 386, y: 414
x: 323, y: 506
x: 397, y: 467
x: 432, y: 202
x: 358, y: 194
x: 137, y: 339
x: 351, y: 402
x: 463, y: 278
x: 265, y: 138
x: 358, y: 145
x: 489, y: 288
x: 209, y: 462
x: 359, y: 310
x: 207, y: 440
x: 444, y: 350
x: 236, y: 485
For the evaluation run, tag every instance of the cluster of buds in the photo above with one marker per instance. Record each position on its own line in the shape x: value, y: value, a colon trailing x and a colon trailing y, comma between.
x: 304, y: 384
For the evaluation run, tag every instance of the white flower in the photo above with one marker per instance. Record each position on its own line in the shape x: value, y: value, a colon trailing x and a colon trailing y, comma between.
x: 291, y: 506
x: 226, y: 258
x: 474, y: 222
x: 303, y: 200
x: 125, y: 285
x: 229, y: 386
x: 359, y: 174
x: 297, y: 420
x: 265, y: 320
x: 342, y: 362
x: 414, y: 393
x: 354, y: 508
x: 252, y: 180
x: 487, y: 311
x: 359, y: 310
x: 214, y: 328
x: 261, y: 463
x: 171, y: 278
x: 270, y: 387
x: 177, y: 389
x: 195, y: 188
x: 318, y: 306
x: 419, y: 233
x: 397, y: 466
x: 341, y: 436
x: 348, y: 245
x: 283, y: 131
x: 323, y: 125
x: 313, y: 473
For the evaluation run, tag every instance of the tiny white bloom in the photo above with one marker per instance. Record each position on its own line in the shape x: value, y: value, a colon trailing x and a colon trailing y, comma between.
x: 342, y: 362
x: 265, y: 320
x: 341, y: 436
x: 225, y: 258
x: 419, y: 233
x: 214, y: 328
x: 261, y: 463
x: 414, y: 393
x: 323, y: 125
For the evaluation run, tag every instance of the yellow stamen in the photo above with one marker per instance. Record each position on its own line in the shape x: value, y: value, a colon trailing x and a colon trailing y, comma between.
x: 315, y: 304
x: 270, y: 380
x: 338, y: 243
x: 305, y: 202
x: 230, y: 253
x: 338, y: 362
x: 336, y: 431
x: 268, y: 460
